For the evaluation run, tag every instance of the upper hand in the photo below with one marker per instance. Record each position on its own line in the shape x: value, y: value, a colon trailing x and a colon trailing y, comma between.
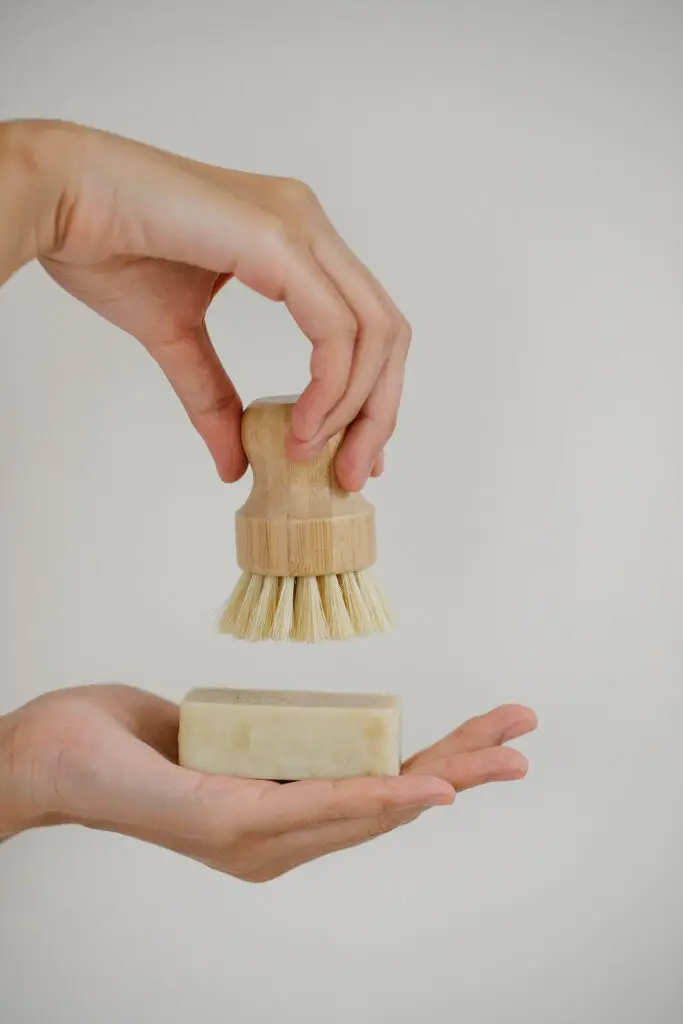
x: 106, y: 757
x: 147, y: 238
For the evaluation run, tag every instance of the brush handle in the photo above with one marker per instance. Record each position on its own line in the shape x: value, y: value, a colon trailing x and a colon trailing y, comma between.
x: 297, y: 521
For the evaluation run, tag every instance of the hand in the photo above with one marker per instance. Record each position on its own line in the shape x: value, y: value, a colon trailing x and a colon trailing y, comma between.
x: 147, y: 238
x: 105, y: 757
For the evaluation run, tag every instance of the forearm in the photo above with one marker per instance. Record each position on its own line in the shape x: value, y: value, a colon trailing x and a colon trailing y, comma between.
x: 29, y: 195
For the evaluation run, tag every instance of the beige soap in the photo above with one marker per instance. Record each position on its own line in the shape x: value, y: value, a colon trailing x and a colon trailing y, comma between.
x: 287, y: 735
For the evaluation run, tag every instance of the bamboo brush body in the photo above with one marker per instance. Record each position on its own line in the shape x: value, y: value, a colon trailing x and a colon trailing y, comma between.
x: 304, y: 544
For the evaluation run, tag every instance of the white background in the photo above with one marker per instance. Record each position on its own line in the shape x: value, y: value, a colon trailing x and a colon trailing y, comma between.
x: 513, y: 173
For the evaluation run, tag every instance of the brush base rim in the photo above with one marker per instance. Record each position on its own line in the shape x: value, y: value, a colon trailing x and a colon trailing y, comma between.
x: 306, y: 547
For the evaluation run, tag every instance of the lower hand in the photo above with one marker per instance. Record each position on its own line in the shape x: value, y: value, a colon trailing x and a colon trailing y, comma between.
x: 106, y: 757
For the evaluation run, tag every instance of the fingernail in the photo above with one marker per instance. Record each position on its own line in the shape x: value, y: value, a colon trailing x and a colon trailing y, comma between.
x: 358, y: 475
x: 303, y: 426
x: 513, y: 772
x: 299, y: 449
x: 315, y: 447
x: 307, y: 437
x: 513, y: 731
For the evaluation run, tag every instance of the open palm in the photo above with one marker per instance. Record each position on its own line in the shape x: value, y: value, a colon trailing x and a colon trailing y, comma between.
x: 106, y: 757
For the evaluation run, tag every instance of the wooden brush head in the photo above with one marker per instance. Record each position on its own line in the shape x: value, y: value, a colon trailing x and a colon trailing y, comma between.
x: 297, y: 521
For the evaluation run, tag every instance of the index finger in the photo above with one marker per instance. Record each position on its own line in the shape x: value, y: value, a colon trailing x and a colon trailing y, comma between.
x: 285, y: 271
x: 320, y: 801
x: 504, y: 723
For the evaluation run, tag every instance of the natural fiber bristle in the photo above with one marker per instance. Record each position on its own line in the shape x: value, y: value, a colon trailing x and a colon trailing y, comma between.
x: 353, y: 599
x: 310, y: 625
x: 232, y: 607
x: 307, y: 609
x: 245, y: 613
x: 284, y: 613
x: 260, y: 625
x: 336, y: 612
x: 378, y: 617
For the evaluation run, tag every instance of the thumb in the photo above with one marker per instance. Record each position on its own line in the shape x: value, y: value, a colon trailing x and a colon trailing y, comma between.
x: 196, y: 374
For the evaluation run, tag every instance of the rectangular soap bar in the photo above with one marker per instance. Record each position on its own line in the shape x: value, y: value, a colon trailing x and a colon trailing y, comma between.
x: 286, y: 735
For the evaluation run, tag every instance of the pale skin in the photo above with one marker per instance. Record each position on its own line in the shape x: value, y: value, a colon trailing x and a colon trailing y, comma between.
x: 147, y: 239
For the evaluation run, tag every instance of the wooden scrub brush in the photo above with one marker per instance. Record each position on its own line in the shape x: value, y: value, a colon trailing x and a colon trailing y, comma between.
x: 304, y: 544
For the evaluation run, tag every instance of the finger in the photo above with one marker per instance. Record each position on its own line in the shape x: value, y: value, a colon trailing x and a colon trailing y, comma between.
x: 287, y: 272
x: 283, y: 270
x: 369, y: 433
x: 378, y: 468
x: 465, y: 771
x: 214, y: 230
x: 331, y: 327
x: 145, y: 716
x: 507, y: 722
x: 197, y: 376
x: 379, y: 324
x: 309, y: 804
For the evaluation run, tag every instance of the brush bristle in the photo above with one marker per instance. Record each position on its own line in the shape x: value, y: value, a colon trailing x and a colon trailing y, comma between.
x: 260, y: 626
x: 353, y: 599
x: 307, y: 609
x: 378, y: 616
x: 310, y: 625
x: 284, y: 613
x: 336, y: 612
x: 232, y: 607
x: 247, y: 609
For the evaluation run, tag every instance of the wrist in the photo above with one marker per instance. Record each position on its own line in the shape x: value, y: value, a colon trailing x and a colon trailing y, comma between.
x: 17, y: 812
x: 33, y: 186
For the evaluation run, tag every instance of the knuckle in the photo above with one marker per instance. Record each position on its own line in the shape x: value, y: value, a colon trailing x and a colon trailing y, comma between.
x: 279, y: 232
x: 382, y: 323
x: 389, y: 423
x: 277, y: 250
x: 297, y: 195
x: 335, y: 808
x: 349, y: 326
x: 404, y: 334
x: 384, y: 808
x: 345, y: 327
x: 337, y: 815
x: 385, y: 822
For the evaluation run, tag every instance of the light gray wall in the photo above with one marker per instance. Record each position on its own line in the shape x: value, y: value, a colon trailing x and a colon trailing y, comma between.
x: 513, y: 172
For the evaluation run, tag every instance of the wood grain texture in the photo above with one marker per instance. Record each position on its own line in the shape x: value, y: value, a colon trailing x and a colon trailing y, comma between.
x: 297, y: 520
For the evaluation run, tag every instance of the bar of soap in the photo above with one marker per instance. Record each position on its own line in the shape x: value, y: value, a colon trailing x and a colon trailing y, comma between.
x: 287, y: 735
